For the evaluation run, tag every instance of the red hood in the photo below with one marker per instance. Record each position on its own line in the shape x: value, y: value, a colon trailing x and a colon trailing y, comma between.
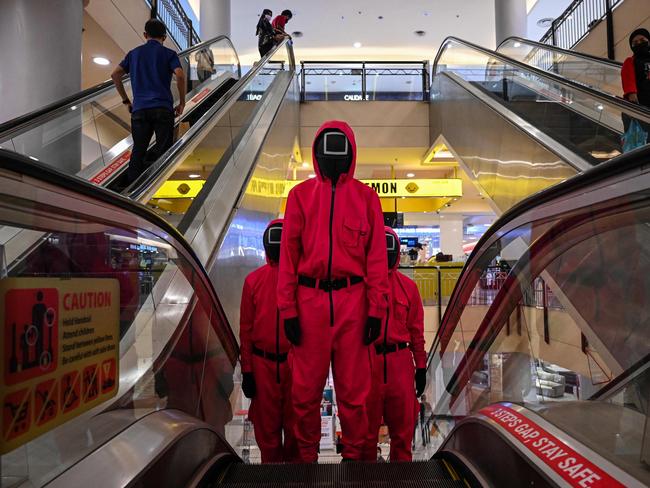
x: 391, y: 231
x: 347, y: 130
x: 273, y: 222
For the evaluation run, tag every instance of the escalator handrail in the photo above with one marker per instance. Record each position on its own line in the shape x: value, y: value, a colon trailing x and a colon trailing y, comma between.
x: 629, y: 107
x: 568, y: 52
x: 141, y: 186
x: 608, y: 169
x: 22, y: 165
x: 27, y: 121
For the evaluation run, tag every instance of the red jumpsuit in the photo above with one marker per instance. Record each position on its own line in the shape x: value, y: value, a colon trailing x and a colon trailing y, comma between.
x: 393, y: 369
x: 261, y: 333
x: 334, y: 231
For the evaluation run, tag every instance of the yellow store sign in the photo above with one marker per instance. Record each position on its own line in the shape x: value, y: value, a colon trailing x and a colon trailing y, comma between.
x: 428, y: 188
x: 60, y: 350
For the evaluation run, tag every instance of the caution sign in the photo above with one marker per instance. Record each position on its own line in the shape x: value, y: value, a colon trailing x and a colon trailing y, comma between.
x: 60, y: 345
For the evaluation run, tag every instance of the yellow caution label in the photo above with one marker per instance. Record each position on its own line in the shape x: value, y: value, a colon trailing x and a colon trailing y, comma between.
x: 61, y: 352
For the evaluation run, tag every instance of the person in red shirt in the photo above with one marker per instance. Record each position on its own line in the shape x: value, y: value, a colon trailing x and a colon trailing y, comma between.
x: 332, y: 289
x: 398, y: 359
x: 280, y: 23
x: 265, y: 361
x: 635, y: 74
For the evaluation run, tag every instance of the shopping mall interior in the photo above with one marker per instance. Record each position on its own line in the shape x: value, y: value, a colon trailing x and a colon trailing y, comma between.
x: 505, y: 154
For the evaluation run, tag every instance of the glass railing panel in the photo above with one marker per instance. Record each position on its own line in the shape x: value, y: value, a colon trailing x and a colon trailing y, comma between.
x: 150, y: 303
x: 602, y: 76
x: 329, y: 82
x: 215, y: 147
x: 396, y: 82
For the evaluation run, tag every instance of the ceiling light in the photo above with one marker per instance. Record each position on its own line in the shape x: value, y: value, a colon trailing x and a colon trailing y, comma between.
x: 600, y: 107
x: 381, y: 17
x: 305, y: 165
x: 517, y: 44
x: 74, y: 107
x: 194, y: 176
x: 420, y: 33
x: 410, y: 175
x: 32, y: 157
x: 357, y: 45
x: 545, y: 22
x: 101, y: 61
x: 296, y: 34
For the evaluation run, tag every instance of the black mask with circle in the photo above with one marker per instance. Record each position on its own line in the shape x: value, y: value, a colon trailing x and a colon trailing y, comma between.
x: 271, y: 239
x: 392, y: 246
x: 333, y: 154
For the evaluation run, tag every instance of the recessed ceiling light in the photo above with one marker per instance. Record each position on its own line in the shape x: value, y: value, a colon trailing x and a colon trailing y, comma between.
x: 305, y: 165
x: 545, y: 22
x: 357, y: 44
x: 101, y: 61
x: 410, y: 175
x: 420, y: 33
x: 381, y: 17
x: 194, y: 176
x: 296, y: 34
x: 74, y: 107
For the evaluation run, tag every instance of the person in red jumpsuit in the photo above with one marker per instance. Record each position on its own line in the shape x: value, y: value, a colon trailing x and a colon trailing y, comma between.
x: 332, y: 289
x: 399, y: 359
x: 265, y: 360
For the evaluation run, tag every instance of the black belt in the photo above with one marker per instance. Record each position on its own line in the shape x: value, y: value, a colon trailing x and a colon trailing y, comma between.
x: 388, y: 348
x: 271, y: 356
x: 329, y: 285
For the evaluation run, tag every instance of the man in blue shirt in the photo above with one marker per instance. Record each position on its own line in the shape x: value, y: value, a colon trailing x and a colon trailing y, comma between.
x: 152, y: 111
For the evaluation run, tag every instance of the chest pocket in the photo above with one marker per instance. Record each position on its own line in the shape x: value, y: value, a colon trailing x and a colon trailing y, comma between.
x: 400, y: 310
x: 354, y: 231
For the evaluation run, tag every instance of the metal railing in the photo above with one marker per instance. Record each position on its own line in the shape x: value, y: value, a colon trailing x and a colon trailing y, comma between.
x: 435, y: 283
x: 179, y: 25
x: 364, y: 80
x: 578, y: 20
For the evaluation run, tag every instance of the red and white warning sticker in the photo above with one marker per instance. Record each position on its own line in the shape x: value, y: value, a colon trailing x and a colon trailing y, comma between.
x: 571, y: 466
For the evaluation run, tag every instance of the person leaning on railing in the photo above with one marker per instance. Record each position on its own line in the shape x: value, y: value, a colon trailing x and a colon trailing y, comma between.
x: 635, y: 77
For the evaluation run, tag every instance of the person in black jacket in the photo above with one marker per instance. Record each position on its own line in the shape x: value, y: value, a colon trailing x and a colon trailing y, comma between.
x: 265, y: 32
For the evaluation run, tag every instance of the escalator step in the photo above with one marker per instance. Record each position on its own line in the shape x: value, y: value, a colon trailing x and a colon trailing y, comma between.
x: 431, y: 473
x: 424, y: 483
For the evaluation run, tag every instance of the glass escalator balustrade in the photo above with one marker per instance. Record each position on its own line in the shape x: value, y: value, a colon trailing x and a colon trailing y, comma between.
x: 589, y: 124
x: 602, y: 75
x: 92, y: 137
x: 129, y: 325
x: 567, y: 321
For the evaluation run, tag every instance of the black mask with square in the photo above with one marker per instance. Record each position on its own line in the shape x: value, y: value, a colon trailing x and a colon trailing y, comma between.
x: 333, y: 154
x: 272, y: 238
x: 393, y: 247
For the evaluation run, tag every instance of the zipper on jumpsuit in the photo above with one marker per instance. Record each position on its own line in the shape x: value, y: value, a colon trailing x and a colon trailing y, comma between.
x: 277, y: 345
x: 329, y: 264
x: 385, y: 342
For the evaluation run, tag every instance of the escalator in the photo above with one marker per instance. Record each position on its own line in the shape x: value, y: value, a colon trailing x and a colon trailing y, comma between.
x: 556, y: 358
x: 516, y: 128
x: 171, y: 421
x: 88, y: 134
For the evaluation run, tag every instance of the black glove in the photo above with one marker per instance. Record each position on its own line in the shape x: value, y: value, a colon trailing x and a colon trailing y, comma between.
x: 292, y: 330
x: 248, y: 385
x: 372, y: 331
x: 420, y: 381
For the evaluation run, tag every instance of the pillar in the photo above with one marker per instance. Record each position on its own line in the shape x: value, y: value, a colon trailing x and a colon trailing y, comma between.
x: 41, y: 63
x: 214, y: 18
x: 510, y: 19
x: 451, y: 236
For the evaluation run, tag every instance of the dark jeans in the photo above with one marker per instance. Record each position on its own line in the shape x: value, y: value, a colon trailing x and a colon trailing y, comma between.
x: 265, y: 48
x: 144, y: 124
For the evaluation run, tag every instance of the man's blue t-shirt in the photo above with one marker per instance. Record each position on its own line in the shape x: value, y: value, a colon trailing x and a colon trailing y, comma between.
x: 151, y: 67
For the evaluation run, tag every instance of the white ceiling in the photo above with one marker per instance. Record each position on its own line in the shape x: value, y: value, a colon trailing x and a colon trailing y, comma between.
x: 331, y: 28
